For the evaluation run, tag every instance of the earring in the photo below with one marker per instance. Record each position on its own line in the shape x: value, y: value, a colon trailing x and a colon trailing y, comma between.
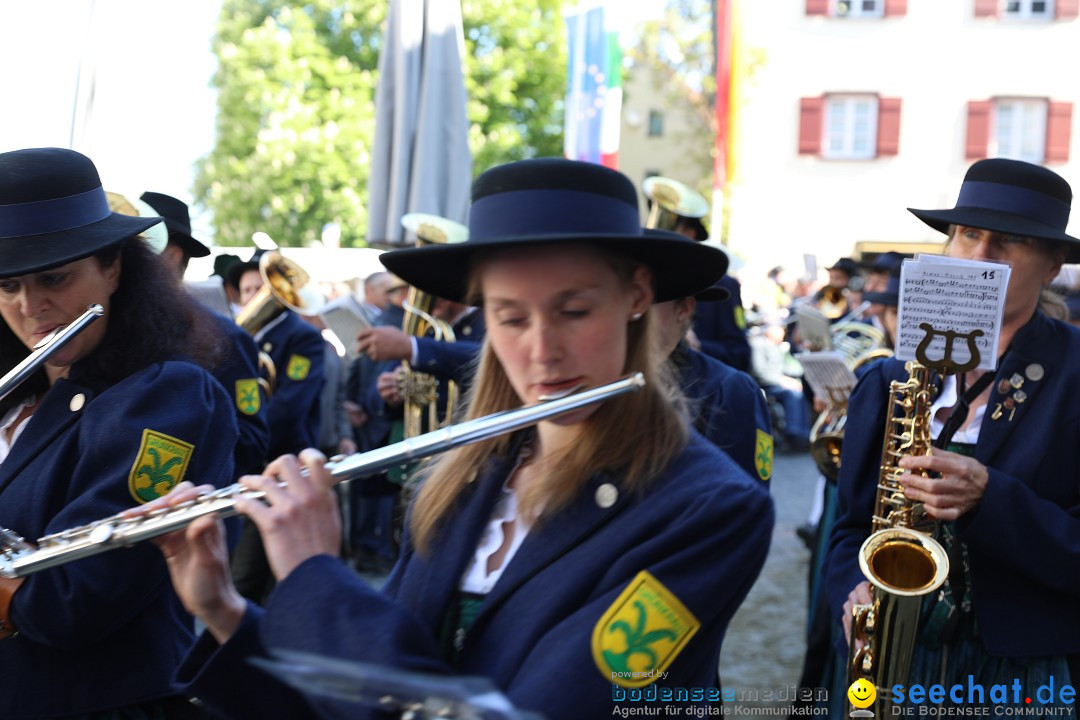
x: 635, y: 317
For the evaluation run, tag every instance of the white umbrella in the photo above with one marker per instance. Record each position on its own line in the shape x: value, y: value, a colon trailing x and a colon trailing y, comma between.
x: 420, y: 160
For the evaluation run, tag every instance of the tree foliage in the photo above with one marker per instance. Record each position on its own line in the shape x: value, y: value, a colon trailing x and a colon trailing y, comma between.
x: 516, y: 79
x: 296, y: 85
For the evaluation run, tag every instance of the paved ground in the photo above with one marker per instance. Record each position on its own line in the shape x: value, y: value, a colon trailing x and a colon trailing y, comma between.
x: 766, y: 640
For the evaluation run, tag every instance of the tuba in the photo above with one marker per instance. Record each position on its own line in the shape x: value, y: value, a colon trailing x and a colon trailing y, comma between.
x: 672, y: 202
x: 286, y: 286
x: 420, y: 390
x: 901, y: 559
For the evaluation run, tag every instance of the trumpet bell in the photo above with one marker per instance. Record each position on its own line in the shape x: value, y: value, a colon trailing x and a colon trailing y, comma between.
x: 285, y: 286
x: 432, y: 229
x: 672, y: 201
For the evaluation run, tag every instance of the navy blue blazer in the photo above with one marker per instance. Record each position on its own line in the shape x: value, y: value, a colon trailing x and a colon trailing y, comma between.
x: 454, y: 360
x: 1023, y: 538
x: 702, y: 529
x: 721, y: 327
x: 728, y: 408
x: 105, y: 631
x: 297, y: 351
x: 239, y: 375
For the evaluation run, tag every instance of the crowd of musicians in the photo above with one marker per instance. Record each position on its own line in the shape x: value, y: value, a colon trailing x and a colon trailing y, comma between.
x: 599, y: 552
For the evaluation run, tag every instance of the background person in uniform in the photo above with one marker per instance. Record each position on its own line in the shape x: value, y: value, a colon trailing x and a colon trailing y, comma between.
x: 376, y: 287
x: 590, y: 545
x: 293, y: 409
x: 1007, y: 491
x: 238, y: 373
x: 722, y: 399
x: 117, y: 417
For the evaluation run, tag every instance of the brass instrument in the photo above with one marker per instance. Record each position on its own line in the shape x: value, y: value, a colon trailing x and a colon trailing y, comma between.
x: 46, y: 348
x: 832, y: 301
x: 286, y: 286
x: 19, y: 558
x: 420, y: 390
x: 901, y: 559
x: 671, y: 203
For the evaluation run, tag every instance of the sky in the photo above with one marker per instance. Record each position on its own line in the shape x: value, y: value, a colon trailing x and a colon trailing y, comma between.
x: 153, y: 108
x: 152, y: 105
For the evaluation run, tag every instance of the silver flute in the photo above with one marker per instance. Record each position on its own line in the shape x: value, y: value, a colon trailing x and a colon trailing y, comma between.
x: 19, y: 558
x: 44, y: 350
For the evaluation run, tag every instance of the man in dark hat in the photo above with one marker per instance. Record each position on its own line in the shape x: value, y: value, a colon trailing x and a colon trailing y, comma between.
x: 239, y: 372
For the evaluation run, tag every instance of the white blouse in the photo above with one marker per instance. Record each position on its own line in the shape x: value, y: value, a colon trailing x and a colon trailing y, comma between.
x: 945, y: 400
x: 8, y: 421
x: 476, y: 578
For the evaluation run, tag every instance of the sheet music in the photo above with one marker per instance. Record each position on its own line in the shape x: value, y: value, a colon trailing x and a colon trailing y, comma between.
x: 954, y: 295
x: 828, y: 374
x: 813, y: 326
x: 346, y: 317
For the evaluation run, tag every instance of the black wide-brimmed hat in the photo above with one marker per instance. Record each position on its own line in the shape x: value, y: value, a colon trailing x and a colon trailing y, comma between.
x: 890, y: 295
x: 550, y: 202
x: 237, y: 269
x: 177, y: 220
x: 1012, y: 197
x: 53, y: 211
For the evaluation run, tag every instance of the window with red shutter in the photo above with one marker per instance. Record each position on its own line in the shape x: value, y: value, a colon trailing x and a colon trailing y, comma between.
x: 895, y: 8
x: 1058, y: 131
x: 888, y: 135
x: 811, y: 111
x: 977, y: 144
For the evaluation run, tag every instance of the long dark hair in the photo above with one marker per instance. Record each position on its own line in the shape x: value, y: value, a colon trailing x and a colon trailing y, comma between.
x: 151, y: 319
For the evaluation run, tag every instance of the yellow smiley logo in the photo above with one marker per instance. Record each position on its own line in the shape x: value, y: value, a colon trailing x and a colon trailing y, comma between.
x: 862, y: 693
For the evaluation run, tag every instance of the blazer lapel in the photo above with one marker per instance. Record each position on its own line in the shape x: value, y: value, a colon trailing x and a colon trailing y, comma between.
x: 555, y: 537
x: 1026, y: 371
x: 439, y: 575
x: 59, y: 409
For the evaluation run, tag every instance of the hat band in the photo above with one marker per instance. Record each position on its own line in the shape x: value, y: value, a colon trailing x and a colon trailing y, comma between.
x: 46, y: 216
x: 550, y: 212
x: 1015, y: 200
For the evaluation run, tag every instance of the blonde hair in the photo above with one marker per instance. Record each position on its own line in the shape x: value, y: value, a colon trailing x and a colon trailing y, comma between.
x: 634, y: 436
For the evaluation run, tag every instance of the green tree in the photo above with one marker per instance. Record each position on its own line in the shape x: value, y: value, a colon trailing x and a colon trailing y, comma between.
x: 515, y: 79
x: 296, y: 84
x: 294, y: 119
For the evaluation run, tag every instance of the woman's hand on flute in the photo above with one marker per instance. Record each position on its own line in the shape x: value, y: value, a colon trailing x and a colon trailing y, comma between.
x: 301, y: 518
x: 198, y: 559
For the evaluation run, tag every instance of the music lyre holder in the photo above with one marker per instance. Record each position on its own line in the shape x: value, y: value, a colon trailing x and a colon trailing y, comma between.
x: 418, y: 696
x: 946, y: 365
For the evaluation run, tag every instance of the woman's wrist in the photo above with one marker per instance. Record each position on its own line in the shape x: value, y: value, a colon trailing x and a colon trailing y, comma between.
x: 223, y: 620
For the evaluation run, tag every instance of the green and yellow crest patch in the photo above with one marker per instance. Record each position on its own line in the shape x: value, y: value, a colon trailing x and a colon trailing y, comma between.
x: 740, y: 317
x: 159, y: 466
x: 298, y: 367
x: 641, y: 633
x: 247, y: 396
x: 763, y: 455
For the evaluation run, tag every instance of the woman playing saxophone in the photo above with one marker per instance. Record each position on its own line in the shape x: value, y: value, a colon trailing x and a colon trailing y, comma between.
x: 1005, y: 490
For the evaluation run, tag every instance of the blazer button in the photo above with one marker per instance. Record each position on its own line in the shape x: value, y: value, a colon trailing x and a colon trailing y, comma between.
x: 267, y: 347
x: 606, y: 495
x: 77, y: 402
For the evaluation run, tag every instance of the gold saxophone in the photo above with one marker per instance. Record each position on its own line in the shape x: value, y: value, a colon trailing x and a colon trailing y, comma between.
x: 901, y: 559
